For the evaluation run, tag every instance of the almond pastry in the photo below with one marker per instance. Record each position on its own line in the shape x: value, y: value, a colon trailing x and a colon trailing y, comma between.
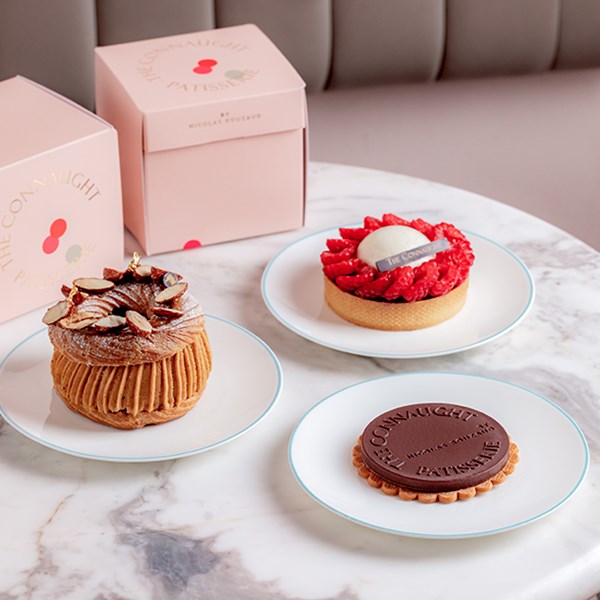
x: 121, y: 359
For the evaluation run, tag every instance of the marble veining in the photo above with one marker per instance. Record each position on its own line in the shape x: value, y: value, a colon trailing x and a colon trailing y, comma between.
x: 233, y: 523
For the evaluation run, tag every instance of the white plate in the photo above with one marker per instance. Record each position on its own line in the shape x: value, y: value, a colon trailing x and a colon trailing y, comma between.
x: 501, y: 292
x: 553, y: 456
x: 242, y: 388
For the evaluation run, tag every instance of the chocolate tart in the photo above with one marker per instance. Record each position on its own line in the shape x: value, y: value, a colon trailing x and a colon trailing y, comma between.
x: 435, y: 452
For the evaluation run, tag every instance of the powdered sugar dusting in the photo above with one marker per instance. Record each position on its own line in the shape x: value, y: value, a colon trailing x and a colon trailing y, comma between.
x: 123, y: 347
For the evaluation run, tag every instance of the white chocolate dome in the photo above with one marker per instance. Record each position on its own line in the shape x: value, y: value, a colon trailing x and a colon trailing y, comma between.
x: 388, y: 241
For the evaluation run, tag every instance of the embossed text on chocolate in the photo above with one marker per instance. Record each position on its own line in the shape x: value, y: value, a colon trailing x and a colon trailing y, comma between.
x: 482, y: 428
x: 490, y: 449
x: 386, y: 456
x: 383, y: 427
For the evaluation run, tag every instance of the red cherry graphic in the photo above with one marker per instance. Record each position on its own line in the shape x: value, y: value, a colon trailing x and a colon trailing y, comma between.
x: 205, y: 66
x: 192, y: 244
x: 58, y: 228
x: 50, y: 244
x: 202, y: 70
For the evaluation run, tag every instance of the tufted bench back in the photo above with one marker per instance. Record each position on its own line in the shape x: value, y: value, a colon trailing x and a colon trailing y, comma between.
x: 332, y: 43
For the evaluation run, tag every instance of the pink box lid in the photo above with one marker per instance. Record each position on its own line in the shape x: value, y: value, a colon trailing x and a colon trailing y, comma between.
x: 208, y: 86
x: 32, y: 118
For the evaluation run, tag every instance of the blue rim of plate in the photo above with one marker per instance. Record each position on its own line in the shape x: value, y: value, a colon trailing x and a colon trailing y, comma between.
x: 157, y: 458
x: 358, y: 352
x: 441, y: 536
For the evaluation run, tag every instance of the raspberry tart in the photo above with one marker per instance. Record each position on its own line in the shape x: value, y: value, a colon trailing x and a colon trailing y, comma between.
x: 364, y: 286
x: 130, y: 349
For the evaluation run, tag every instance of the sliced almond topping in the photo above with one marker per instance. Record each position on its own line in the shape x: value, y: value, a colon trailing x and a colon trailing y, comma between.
x: 94, y: 284
x: 65, y: 290
x: 78, y: 297
x: 113, y: 274
x: 57, y: 312
x: 171, y: 293
x: 138, y: 323
x: 166, y: 311
x: 110, y: 322
x: 79, y: 321
x: 157, y: 273
x: 142, y: 272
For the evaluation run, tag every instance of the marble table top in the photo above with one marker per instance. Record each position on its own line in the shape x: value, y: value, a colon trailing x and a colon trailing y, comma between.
x: 234, y: 523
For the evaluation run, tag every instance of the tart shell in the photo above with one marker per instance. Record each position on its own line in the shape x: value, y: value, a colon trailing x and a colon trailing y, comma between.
x: 395, y: 316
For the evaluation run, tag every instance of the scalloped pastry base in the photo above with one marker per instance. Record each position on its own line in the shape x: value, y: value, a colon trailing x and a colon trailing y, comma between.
x: 390, y: 489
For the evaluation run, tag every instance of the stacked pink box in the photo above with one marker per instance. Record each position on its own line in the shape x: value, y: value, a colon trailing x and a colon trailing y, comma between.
x: 212, y: 136
x: 60, y: 195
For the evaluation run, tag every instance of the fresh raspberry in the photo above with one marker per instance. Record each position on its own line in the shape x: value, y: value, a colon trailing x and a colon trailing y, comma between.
x: 446, y: 282
x: 346, y: 267
x: 455, y: 256
x: 377, y: 287
x: 450, y: 231
x: 461, y: 253
x: 463, y: 273
x: 440, y: 289
x: 428, y: 270
x: 336, y: 244
x: 461, y: 243
x: 391, y: 219
x: 448, y: 271
x: 417, y: 291
x: 403, y: 278
x: 468, y: 256
x: 404, y: 275
x: 354, y: 233
x: 329, y: 258
x: 438, y: 234
x: 443, y: 260
x: 372, y: 223
x: 351, y: 282
x: 424, y: 227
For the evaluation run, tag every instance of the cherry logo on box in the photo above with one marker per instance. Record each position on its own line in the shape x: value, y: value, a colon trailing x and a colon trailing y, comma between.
x: 205, y: 66
x: 190, y: 244
x: 57, y: 230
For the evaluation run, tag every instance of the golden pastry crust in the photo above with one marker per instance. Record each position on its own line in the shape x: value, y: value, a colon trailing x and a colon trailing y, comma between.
x: 395, y: 316
x: 125, y: 347
x: 429, y: 498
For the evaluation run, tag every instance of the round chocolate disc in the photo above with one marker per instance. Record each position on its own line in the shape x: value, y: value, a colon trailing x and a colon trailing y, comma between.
x: 435, y: 447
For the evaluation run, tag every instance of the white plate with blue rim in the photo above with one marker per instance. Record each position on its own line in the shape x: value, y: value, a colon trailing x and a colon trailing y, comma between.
x: 229, y: 407
x: 501, y: 293
x: 547, y: 476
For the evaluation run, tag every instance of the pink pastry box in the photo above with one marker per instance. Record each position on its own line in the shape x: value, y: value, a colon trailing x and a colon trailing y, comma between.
x: 61, y: 214
x: 212, y: 136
